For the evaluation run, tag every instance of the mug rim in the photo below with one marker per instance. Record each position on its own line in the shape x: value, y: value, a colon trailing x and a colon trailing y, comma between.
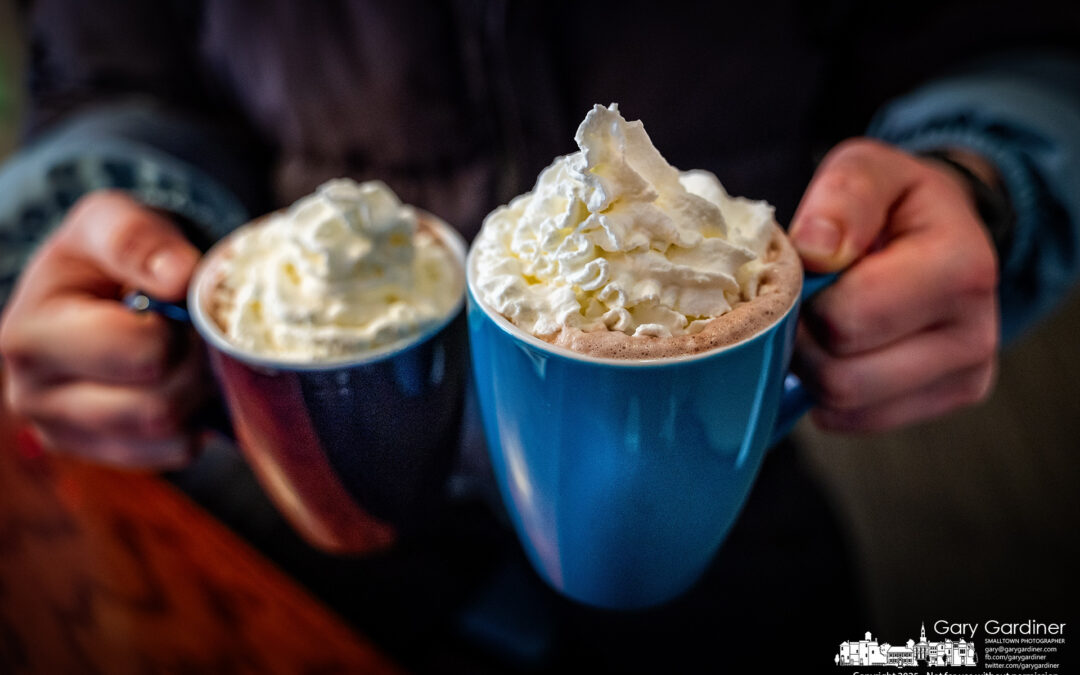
x: 211, y: 333
x: 530, y: 340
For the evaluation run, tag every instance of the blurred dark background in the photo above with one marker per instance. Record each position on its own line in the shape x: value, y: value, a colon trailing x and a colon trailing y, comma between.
x: 969, y: 518
x: 10, y: 65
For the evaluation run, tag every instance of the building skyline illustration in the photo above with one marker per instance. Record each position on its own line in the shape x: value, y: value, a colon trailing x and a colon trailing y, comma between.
x: 869, y: 652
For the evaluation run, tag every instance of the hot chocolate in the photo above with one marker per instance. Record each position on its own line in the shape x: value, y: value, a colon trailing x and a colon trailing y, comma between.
x: 334, y: 329
x: 343, y: 272
x: 617, y: 254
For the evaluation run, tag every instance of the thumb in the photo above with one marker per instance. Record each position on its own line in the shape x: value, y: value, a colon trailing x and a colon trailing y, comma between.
x: 132, y: 244
x: 847, y: 204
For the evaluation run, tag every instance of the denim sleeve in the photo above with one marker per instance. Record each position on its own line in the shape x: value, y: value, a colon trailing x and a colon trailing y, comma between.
x: 109, y: 147
x: 1021, y: 112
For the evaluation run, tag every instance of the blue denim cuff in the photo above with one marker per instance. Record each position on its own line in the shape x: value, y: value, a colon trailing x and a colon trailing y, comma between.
x: 43, y: 181
x: 1024, y: 117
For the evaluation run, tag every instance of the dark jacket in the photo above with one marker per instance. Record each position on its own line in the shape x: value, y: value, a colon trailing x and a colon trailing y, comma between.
x: 228, y: 108
x: 458, y: 105
x: 221, y: 109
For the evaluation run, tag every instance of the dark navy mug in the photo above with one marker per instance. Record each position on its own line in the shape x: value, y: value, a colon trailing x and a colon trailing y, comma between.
x: 354, y: 452
x: 622, y: 478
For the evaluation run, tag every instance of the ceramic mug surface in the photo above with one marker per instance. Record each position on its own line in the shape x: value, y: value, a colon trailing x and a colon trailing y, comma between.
x: 353, y: 451
x: 622, y: 478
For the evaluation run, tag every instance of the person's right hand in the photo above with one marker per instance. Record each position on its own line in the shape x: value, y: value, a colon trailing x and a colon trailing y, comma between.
x: 94, y: 378
x: 910, y: 331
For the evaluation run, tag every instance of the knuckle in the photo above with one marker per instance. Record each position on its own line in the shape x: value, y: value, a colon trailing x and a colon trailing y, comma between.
x: 980, y: 274
x: 9, y: 340
x: 855, y: 149
x: 978, y: 341
x: 988, y: 382
x: 16, y: 398
x: 984, y: 341
x: 86, y: 208
x: 847, y: 179
x: 862, y: 312
x: 95, y: 199
x: 978, y: 387
x: 126, y: 240
x: 79, y: 210
x: 14, y: 344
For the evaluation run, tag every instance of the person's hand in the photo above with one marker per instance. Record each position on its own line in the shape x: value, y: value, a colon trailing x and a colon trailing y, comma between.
x: 910, y: 329
x: 94, y: 378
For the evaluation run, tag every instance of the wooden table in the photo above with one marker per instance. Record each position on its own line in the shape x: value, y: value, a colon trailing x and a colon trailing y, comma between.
x: 107, y: 571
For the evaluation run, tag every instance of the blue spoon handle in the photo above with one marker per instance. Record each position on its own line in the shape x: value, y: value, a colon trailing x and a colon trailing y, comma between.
x: 141, y: 302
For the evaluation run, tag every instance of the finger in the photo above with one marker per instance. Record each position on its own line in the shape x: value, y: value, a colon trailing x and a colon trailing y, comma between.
x: 15, y: 387
x: 920, y: 280
x: 957, y: 390
x: 88, y: 338
x: 131, y: 244
x: 162, y: 454
x: 875, y: 377
x: 94, y: 409
x: 847, y: 203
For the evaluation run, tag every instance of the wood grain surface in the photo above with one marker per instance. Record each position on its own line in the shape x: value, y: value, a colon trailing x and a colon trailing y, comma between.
x: 107, y: 571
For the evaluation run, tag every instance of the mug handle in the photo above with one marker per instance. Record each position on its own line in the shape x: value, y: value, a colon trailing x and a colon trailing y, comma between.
x: 796, y: 401
x: 212, y: 420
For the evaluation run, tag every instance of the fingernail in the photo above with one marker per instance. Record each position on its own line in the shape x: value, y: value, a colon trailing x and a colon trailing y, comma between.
x: 817, y: 237
x: 166, y: 266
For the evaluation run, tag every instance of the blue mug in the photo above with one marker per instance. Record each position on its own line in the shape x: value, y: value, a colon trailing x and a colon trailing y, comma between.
x: 353, y: 451
x: 622, y: 478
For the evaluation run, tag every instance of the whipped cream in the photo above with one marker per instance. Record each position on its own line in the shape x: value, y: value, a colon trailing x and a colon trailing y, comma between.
x: 612, y: 237
x: 342, y: 271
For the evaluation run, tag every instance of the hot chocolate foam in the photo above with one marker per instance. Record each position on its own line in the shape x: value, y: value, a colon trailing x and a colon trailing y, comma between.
x: 342, y: 272
x: 778, y: 285
x: 616, y: 253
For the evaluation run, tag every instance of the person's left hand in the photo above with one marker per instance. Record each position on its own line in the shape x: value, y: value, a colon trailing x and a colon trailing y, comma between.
x: 910, y: 330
